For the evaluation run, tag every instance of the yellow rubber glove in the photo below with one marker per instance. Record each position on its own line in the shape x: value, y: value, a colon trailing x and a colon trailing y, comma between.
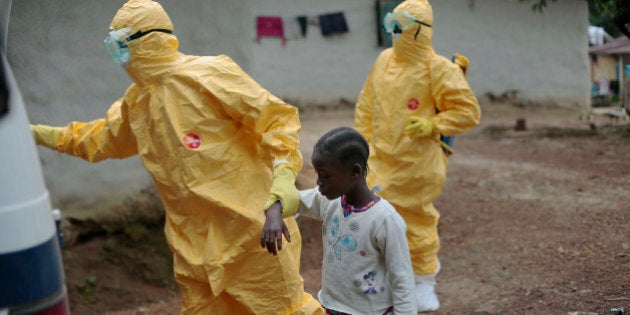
x: 283, y: 189
x: 46, y: 135
x: 419, y: 127
x: 462, y: 62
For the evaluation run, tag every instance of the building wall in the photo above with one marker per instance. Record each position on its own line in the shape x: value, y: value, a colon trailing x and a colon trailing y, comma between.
x: 605, y: 68
x: 56, y: 50
x: 544, y: 56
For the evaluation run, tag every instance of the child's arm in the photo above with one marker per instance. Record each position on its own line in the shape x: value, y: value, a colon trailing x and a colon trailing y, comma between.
x: 274, y: 228
x: 312, y: 203
x: 393, y: 242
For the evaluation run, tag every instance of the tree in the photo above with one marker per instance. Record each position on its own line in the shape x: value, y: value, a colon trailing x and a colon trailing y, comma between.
x: 600, y: 12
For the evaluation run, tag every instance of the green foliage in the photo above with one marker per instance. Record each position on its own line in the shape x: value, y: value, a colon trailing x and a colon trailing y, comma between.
x: 600, y: 8
x: 600, y: 12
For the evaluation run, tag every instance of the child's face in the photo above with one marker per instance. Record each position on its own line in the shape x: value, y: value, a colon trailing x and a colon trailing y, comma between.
x: 333, y: 179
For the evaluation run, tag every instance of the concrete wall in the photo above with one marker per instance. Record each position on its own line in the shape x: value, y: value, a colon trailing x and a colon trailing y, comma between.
x: 544, y: 56
x: 56, y: 50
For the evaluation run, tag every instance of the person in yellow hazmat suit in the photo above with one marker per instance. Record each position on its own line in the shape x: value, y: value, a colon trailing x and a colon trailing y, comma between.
x: 410, y: 98
x: 223, y: 153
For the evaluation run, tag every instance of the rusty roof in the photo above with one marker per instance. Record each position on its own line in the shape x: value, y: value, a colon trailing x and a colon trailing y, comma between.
x: 618, y: 46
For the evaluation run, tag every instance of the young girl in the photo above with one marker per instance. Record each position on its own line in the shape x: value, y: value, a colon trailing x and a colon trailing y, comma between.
x: 366, y: 264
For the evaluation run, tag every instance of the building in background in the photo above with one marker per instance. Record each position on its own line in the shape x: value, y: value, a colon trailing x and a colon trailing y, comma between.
x: 58, y: 56
x: 610, y: 71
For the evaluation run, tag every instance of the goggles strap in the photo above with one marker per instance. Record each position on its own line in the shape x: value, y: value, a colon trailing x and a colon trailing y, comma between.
x: 139, y: 34
x: 415, y: 37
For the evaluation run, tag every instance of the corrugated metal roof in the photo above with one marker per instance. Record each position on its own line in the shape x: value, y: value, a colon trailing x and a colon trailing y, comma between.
x: 618, y: 46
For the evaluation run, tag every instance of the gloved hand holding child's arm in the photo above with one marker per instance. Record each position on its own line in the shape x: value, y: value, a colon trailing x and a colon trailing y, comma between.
x: 283, y: 201
x: 46, y: 135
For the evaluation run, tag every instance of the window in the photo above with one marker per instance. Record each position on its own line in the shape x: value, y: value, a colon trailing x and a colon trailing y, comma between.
x: 382, y: 8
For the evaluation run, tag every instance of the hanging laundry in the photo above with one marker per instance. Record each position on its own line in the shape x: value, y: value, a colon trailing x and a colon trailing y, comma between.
x: 303, y: 21
x: 333, y: 23
x: 269, y: 26
x: 292, y: 29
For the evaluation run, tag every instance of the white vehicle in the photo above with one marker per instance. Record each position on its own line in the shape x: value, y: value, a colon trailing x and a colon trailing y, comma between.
x: 31, y: 269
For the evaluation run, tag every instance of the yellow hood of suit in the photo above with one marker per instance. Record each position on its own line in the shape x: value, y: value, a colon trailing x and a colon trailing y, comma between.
x: 409, y: 46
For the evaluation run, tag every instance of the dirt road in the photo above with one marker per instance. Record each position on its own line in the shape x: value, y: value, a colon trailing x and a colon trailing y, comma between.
x: 533, y: 222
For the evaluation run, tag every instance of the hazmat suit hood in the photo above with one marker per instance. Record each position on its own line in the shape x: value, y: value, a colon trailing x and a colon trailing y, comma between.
x: 409, y: 46
x: 151, y: 53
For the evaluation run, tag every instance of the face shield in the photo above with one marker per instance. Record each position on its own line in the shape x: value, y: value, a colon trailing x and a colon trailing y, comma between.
x: 116, y: 45
x: 397, y: 22
x: 117, y: 40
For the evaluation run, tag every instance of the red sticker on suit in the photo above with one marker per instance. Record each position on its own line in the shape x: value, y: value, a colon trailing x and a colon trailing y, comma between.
x: 191, y: 140
x: 413, y: 104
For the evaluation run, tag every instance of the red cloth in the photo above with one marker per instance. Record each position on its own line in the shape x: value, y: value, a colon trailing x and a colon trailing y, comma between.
x: 269, y: 26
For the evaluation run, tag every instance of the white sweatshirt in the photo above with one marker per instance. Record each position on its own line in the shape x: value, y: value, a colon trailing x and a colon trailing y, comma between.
x: 366, y: 263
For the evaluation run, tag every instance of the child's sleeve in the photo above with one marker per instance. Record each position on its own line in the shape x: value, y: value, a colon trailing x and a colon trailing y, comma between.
x: 393, y: 244
x: 311, y: 202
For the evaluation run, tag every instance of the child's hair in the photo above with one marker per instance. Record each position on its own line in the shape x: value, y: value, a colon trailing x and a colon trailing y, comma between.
x: 346, y: 145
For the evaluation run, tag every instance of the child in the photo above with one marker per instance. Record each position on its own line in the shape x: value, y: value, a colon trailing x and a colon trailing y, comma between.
x: 366, y: 264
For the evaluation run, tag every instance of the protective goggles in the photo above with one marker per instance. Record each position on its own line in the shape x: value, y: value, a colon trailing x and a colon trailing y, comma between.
x: 400, y: 21
x: 116, y: 45
x: 116, y: 42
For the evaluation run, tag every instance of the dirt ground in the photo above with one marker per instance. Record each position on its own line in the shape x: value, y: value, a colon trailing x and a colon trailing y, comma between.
x: 533, y: 222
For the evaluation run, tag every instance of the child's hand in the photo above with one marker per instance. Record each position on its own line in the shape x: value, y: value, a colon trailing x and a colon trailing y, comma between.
x: 273, y: 229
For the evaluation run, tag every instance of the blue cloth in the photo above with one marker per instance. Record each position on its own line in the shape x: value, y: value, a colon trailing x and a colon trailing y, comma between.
x: 333, y: 23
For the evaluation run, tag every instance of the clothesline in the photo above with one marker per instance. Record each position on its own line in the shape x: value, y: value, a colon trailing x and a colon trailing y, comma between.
x: 295, y: 26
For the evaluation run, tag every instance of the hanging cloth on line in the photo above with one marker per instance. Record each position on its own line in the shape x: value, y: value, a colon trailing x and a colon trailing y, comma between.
x: 303, y: 20
x: 333, y: 23
x: 269, y: 26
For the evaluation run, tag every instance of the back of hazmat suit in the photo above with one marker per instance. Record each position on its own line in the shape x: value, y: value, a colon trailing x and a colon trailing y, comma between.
x: 411, y: 97
x: 220, y: 149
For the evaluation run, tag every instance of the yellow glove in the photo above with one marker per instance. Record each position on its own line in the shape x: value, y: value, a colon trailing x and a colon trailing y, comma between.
x: 283, y: 189
x: 419, y: 127
x: 46, y: 135
x: 461, y: 61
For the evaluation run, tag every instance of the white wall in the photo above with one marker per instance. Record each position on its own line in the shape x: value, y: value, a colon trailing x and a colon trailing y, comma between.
x: 316, y: 69
x: 544, y: 56
x: 56, y: 50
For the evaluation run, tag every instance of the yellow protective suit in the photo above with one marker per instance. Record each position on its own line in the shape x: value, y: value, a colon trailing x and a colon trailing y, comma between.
x: 411, y: 80
x: 209, y: 135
